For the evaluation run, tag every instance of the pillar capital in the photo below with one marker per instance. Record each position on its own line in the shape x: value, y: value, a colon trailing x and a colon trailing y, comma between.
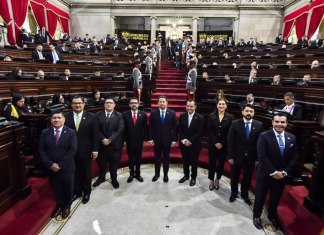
x: 195, y: 18
x: 153, y: 18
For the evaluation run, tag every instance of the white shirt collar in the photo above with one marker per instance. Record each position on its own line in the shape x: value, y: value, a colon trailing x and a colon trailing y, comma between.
x: 191, y: 115
x: 245, y: 121
x: 276, y: 133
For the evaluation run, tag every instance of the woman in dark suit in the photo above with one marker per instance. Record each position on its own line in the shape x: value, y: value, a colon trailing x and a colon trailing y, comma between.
x: 96, y: 98
x: 14, y: 109
x: 219, y: 123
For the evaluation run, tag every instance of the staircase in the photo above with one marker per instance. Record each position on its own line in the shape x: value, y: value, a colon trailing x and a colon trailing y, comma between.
x: 170, y: 83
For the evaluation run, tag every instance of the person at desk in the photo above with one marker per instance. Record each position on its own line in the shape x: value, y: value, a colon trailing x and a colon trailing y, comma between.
x: 38, y: 53
x: 253, y: 79
x: 66, y: 76
x: 14, y: 109
x: 276, y: 80
x: 96, y: 98
x: 40, y: 75
x: 295, y: 110
x: 306, y: 79
x: 16, y: 74
x: 249, y: 100
x: 54, y: 55
x: 77, y: 49
x: 58, y: 103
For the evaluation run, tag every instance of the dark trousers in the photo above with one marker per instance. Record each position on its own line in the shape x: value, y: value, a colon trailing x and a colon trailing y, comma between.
x: 215, y: 157
x: 276, y: 188
x: 134, y: 160
x: 246, y: 181
x: 111, y: 157
x: 190, y: 156
x: 158, y: 151
x: 83, y: 176
x: 62, y: 185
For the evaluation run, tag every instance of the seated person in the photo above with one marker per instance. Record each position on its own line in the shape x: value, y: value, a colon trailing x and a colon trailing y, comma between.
x: 120, y: 74
x: 95, y: 48
x: 77, y: 49
x: 290, y: 64
x: 97, y: 75
x: 58, y: 103
x: 315, y: 64
x: 228, y: 79
x: 16, y: 74
x: 66, y: 76
x: 295, y: 110
x: 40, y: 75
x: 63, y: 48
x: 249, y: 100
x: 205, y: 77
x: 276, y: 80
x: 13, y: 110
x: 220, y: 95
x: 7, y: 58
x: 54, y: 55
x: 306, y: 79
x: 253, y: 79
x: 38, y: 53
x: 254, y: 65
x: 96, y: 98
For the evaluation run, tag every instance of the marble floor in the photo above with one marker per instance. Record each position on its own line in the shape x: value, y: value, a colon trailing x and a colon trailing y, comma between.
x: 159, y: 208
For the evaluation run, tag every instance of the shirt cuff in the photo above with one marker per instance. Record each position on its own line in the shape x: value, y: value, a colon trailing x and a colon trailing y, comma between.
x: 183, y: 141
x: 272, y: 174
x: 285, y: 173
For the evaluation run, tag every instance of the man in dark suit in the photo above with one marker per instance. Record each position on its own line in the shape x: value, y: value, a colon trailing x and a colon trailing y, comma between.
x: 191, y: 126
x: 38, y: 53
x: 66, y: 75
x: 277, y: 155
x: 111, y: 130
x: 95, y: 48
x: 162, y: 135
x: 241, y: 151
x: 57, y: 148
x: 53, y: 55
x: 295, y: 110
x: 86, y: 127
x: 135, y: 134
x: 253, y: 79
x: 249, y: 100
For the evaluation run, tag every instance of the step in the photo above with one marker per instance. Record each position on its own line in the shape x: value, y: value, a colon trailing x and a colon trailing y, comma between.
x: 169, y: 82
x: 169, y: 94
x: 178, y: 86
x: 172, y: 101
x: 170, y: 89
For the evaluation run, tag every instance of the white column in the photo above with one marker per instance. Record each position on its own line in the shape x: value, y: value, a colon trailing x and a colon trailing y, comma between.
x: 195, y: 29
x: 113, y: 25
x: 153, y: 28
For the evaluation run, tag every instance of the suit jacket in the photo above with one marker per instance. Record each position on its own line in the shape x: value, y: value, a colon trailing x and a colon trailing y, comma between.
x: 297, y: 111
x: 218, y: 130
x: 254, y: 80
x: 87, y: 134
x: 50, y: 56
x: 269, y: 156
x: 63, y: 154
x: 163, y: 134
x: 238, y: 146
x: 112, y: 129
x: 134, y: 135
x: 95, y: 49
x: 192, y: 133
x: 35, y: 55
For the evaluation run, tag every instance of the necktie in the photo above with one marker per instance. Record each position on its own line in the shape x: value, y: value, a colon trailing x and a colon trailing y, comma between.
x: 281, y: 145
x: 189, y: 120
x: 57, y: 136
x: 108, y: 117
x: 40, y: 55
x: 134, y: 118
x: 247, y: 129
x: 77, y: 122
x: 55, y: 57
x: 162, y: 116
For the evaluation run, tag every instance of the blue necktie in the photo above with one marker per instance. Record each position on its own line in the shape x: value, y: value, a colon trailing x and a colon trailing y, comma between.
x: 281, y: 145
x: 162, y: 117
x: 247, y: 129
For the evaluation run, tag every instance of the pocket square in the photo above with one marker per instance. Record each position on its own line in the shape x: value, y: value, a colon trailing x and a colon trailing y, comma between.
x: 291, y: 145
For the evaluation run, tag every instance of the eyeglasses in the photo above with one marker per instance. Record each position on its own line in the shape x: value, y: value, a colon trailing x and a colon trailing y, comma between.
x: 133, y: 102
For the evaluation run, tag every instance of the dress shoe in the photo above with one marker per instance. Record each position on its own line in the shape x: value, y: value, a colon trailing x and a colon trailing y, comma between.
x: 98, y: 182
x: 192, y: 182
x: 65, y: 213
x: 56, y: 212
x: 115, y: 183
x: 183, y: 179
x: 75, y: 197
x: 232, y: 198
x: 130, y: 179
x: 85, y: 199
x: 216, y: 184
x: 247, y: 201
x: 155, y: 178
x: 211, y: 187
x: 257, y: 223
x: 165, y: 179
x: 275, y: 223
x: 139, y: 178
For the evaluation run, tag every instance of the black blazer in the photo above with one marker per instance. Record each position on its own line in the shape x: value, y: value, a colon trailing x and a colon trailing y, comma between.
x: 269, y: 157
x: 217, y: 130
x: 50, y: 56
x: 238, y: 146
x: 163, y: 134
x: 297, y: 111
x: 134, y: 135
x: 87, y: 135
x: 192, y: 133
x: 63, y: 154
x: 112, y: 130
x: 35, y: 55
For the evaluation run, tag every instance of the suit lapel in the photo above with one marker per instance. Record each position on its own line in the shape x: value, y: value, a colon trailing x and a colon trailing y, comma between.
x: 287, y: 144
x: 275, y: 143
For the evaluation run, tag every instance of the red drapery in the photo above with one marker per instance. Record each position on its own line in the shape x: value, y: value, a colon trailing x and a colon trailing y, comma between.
x: 51, y: 22
x: 61, y: 15
x: 65, y: 25
x: 298, y: 18
x: 38, y: 7
x: 317, y: 8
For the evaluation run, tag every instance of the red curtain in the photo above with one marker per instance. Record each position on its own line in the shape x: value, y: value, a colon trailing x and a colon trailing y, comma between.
x: 38, y: 7
x: 288, y: 26
x: 316, y: 18
x: 51, y: 22
x: 299, y: 17
x: 65, y: 25
x: 4, y: 11
x: 300, y: 25
x: 19, y: 10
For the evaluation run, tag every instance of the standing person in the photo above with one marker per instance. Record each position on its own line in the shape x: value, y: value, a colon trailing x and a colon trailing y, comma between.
x: 57, y: 148
x: 162, y: 135
x: 277, y: 155
x: 219, y: 123
x: 137, y: 80
x: 86, y: 127
x: 111, y: 130
x: 241, y: 151
x: 191, y: 126
x: 149, y: 64
x: 136, y: 129
x: 191, y: 80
